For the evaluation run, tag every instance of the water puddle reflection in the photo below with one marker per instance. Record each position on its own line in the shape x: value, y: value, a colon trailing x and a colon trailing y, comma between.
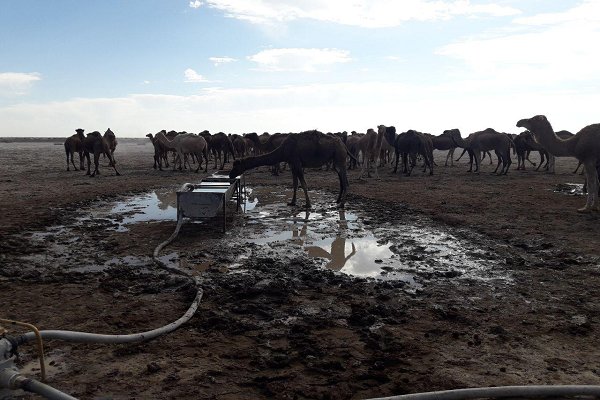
x: 406, y: 252
x: 575, y: 189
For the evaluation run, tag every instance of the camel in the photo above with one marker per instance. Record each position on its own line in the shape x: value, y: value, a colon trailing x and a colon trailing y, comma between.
x: 488, y: 140
x: 74, y: 144
x: 309, y: 149
x: 221, y: 143
x: 112, y: 140
x: 97, y: 144
x: 240, y: 145
x: 160, y: 152
x: 183, y: 144
x: 266, y: 143
x: 532, y: 145
x: 370, y: 147
x: 444, y: 142
x: 353, y: 149
x: 410, y: 144
x: 584, y: 145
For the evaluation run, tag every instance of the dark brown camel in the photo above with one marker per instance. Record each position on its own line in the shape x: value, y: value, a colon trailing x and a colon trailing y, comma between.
x: 584, y: 145
x: 240, y: 145
x: 266, y: 143
x: 221, y: 144
x: 160, y: 152
x: 487, y: 140
x: 444, y: 142
x: 110, y: 138
x: 410, y: 144
x: 97, y: 144
x: 74, y: 144
x: 310, y: 149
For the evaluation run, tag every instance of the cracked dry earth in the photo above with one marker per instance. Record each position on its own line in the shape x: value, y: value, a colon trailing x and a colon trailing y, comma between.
x: 422, y: 283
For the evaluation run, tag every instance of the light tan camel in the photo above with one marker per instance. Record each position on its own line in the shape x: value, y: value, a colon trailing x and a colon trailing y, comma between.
x: 74, y: 144
x: 370, y: 147
x: 97, y: 144
x: 584, y: 145
x: 183, y: 144
x: 310, y: 149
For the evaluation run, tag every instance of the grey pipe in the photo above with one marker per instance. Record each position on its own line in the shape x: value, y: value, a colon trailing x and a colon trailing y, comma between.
x: 503, y: 392
x: 13, y: 380
x: 84, y: 337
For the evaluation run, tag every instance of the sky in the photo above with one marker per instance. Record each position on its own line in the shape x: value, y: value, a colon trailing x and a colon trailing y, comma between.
x: 239, y: 66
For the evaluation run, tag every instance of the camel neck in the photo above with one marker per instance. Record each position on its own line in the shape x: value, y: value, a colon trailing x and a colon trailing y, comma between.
x: 556, y: 146
x: 271, y: 158
x: 166, y: 142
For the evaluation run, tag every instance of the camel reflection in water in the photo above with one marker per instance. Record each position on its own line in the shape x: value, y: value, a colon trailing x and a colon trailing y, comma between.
x: 337, y: 255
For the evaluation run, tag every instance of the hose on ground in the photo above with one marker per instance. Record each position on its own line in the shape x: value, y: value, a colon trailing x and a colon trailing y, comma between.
x: 500, y: 392
x: 75, y: 336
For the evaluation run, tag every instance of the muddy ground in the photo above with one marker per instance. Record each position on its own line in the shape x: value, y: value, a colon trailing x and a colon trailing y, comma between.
x: 423, y: 283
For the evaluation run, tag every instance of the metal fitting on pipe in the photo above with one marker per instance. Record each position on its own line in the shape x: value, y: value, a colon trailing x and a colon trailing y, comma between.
x: 12, y: 380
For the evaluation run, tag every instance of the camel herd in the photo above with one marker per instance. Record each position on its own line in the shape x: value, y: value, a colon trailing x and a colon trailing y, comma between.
x: 313, y: 149
x: 94, y: 143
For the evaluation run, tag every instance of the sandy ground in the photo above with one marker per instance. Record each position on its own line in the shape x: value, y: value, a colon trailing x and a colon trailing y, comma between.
x: 423, y: 283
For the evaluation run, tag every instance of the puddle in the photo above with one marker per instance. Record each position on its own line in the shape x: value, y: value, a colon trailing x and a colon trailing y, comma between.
x: 406, y: 252
x: 411, y: 251
x: 575, y: 189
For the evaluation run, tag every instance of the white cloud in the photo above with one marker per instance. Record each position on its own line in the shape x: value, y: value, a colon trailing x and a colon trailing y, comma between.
x: 17, y: 83
x: 221, y: 60
x: 193, y: 76
x: 546, y: 50
x: 298, y: 59
x: 327, y: 107
x: 364, y: 13
x: 195, y: 4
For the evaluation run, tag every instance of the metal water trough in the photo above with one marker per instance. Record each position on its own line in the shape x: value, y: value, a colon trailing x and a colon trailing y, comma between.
x: 210, y: 197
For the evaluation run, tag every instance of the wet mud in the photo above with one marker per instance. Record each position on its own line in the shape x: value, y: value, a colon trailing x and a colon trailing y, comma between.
x: 399, y: 292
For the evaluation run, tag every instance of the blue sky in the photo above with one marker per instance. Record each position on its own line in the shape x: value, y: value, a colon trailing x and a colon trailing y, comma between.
x: 290, y: 65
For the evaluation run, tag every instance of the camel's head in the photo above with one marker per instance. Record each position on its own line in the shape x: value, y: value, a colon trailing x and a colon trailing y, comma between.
x: 79, y: 131
x: 537, y: 125
x: 455, y: 135
x: 238, y: 168
x: 534, y: 123
x: 389, y: 132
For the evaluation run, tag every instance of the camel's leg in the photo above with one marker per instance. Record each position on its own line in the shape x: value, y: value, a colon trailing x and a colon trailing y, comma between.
x: 591, y: 176
x: 478, y: 159
x: 96, y: 164
x: 375, y: 164
x: 89, y: 163
x: 81, y: 165
x: 500, y: 160
x: 527, y: 158
x: 343, y: 177
x: 295, y: 187
x: 205, y: 152
x: 114, y: 164
x: 304, y: 187
x: 461, y: 154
